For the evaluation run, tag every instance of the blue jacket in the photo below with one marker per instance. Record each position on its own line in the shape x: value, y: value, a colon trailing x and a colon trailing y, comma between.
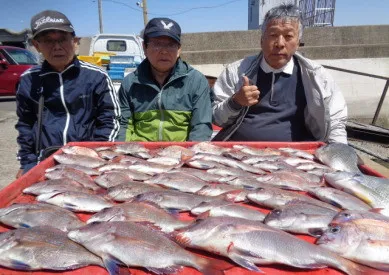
x: 81, y: 104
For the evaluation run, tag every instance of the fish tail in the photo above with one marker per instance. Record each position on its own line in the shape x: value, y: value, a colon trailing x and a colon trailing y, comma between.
x: 212, y: 266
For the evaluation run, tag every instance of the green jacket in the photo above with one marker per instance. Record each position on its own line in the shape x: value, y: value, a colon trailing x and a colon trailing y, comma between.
x: 179, y: 111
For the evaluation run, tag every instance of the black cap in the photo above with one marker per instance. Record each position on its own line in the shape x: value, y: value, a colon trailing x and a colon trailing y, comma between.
x: 50, y: 20
x: 162, y: 27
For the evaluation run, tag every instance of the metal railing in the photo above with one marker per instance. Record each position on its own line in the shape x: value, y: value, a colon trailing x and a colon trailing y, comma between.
x: 378, y: 110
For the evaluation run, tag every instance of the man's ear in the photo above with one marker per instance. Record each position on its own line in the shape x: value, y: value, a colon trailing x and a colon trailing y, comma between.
x: 36, y: 45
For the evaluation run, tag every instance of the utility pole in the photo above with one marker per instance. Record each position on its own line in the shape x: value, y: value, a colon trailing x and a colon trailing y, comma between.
x: 143, y: 5
x: 100, y: 16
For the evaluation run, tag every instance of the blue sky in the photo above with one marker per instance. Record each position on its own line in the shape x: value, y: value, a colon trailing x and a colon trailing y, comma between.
x: 124, y: 16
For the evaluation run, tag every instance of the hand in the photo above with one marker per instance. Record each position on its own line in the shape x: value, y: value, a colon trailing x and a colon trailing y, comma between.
x: 19, y: 174
x: 248, y: 95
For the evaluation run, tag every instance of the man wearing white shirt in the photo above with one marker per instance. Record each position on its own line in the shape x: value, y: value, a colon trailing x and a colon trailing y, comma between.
x: 279, y: 95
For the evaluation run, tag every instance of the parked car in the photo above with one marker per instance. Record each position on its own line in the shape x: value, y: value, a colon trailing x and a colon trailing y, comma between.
x: 13, y: 62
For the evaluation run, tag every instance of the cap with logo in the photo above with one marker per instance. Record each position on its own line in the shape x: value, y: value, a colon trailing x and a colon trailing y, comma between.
x: 163, y: 27
x: 50, y: 20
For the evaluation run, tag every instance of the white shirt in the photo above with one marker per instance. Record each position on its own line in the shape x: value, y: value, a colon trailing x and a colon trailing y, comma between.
x: 288, y: 68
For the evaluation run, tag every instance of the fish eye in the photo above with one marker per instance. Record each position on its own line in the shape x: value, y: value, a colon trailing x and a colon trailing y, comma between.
x: 277, y: 212
x: 335, y: 229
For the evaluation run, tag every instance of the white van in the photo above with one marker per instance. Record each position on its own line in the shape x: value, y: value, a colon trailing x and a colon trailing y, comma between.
x: 117, y: 44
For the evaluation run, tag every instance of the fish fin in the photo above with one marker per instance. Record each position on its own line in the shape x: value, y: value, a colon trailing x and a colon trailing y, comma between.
x: 165, y: 270
x: 315, y: 232
x: 245, y: 263
x: 212, y: 267
x: 180, y: 238
x: 112, y: 265
x: 376, y: 210
x: 20, y: 265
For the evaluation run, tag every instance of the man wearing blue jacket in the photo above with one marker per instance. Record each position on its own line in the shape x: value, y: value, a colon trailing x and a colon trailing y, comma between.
x: 80, y: 102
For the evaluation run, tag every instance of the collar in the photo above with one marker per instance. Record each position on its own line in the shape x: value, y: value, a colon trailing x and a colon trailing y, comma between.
x: 47, y: 68
x: 288, y: 68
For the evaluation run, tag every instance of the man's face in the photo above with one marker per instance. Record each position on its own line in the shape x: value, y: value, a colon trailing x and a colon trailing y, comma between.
x: 279, y: 42
x: 57, y: 47
x: 162, y: 52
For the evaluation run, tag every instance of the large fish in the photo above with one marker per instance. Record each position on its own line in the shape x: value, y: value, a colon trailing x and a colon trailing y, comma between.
x: 86, y: 161
x: 80, y: 150
x: 39, y: 214
x: 140, y: 212
x: 338, y: 198
x: 249, y: 243
x: 138, y: 246
x: 128, y: 190
x: 364, y: 241
x: 272, y: 197
x: 290, y: 180
x: 73, y: 174
x: 48, y: 186
x: 173, y: 200
x: 43, y: 247
x: 350, y: 215
x: 178, y: 181
x: 338, y: 156
x: 372, y: 190
x: 301, y: 218
x: 75, y: 201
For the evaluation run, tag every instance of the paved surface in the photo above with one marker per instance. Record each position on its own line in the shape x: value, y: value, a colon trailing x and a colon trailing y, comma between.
x: 8, y: 146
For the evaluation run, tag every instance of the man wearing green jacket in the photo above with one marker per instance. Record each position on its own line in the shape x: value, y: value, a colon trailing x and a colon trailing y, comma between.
x: 165, y: 99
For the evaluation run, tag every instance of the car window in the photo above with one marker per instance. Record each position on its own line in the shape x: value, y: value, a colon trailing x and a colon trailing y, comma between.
x: 20, y: 56
x: 116, y: 45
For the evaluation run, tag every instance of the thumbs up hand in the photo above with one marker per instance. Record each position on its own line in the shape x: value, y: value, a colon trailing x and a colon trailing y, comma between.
x: 248, y: 94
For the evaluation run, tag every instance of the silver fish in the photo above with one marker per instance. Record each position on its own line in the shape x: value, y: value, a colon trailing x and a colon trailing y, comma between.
x: 43, y: 247
x: 73, y: 174
x: 140, y: 212
x: 297, y: 153
x: 338, y: 156
x: 86, y: 170
x: 39, y: 214
x: 80, y: 150
x: 86, y: 161
x: 248, y: 243
x: 178, y: 181
x: 136, y: 245
x: 301, y: 218
x: 338, y: 198
x: 350, y: 215
x: 49, y: 186
x: 176, y: 151
x: 75, y: 201
x: 130, y: 148
x: 289, y: 180
x: 208, y: 148
x: 127, y: 191
x: 364, y: 241
x: 108, y: 154
x: 257, y: 151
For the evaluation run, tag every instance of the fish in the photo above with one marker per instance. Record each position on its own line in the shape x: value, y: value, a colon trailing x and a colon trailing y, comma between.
x: 130, y: 148
x: 372, y: 190
x: 272, y: 197
x: 200, y: 174
x: 135, y: 245
x: 173, y: 200
x: 297, y: 153
x: 39, y: 214
x: 75, y: 201
x: 73, y: 174
x: 350, y: 215
x: 290, y: 180
x: 90, y: 162
x: 364, y: 241
x: 208, y: 148
x: 49, y: 186
x: 301, y: 218
x: 80, y: 150
x: 257, y: 151
x: 43, y: 248
x: 86, y: 170
x: 165, y: 160
x: 251, y: 243
x: 338, y: 198
x: 116, y: 177
x: 140, y: 212
x: 127, y: 191
x: 218, y: 189
x: 338, y: 156
x: 151, y: 168
x: 178, y: 181
x: 176, y: 151
x: 252, y: 159
x: 108, y: 154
